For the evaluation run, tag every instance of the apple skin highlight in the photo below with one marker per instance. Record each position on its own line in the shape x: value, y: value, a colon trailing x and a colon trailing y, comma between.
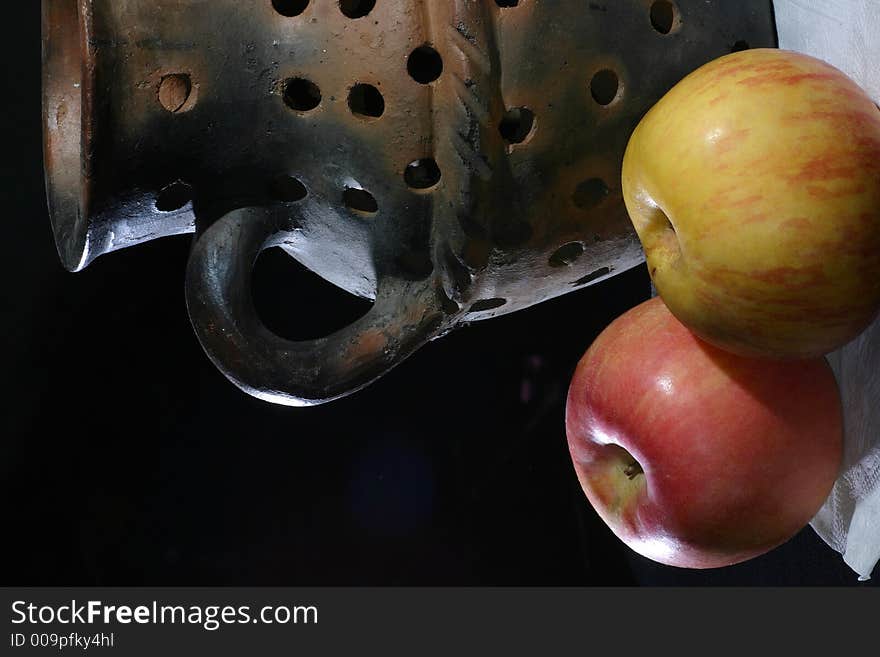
x: 754, y: 186
x: 696, y: 457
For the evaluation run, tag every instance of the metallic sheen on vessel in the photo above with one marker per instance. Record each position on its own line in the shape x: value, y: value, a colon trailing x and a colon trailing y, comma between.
x: 452, y: 161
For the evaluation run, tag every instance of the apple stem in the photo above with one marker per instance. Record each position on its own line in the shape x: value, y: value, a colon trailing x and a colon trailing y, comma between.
x: 633, y: 470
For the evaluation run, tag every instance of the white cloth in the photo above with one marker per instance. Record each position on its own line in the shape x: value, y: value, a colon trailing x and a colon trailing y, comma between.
x: 846, y: 34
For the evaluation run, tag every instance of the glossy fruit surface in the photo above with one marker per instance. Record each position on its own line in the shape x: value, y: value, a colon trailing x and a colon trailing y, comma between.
x: 754, y: 186
x: 693, y: 456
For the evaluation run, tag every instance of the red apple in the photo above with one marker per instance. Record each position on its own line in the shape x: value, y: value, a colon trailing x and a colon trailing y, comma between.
x: 694, y: 456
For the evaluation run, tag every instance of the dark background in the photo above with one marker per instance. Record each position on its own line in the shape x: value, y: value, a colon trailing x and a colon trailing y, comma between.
x: 127, y: 459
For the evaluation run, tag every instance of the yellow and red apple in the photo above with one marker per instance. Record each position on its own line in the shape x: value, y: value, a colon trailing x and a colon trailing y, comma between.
x: 694, y: 456
x: 754, y: 186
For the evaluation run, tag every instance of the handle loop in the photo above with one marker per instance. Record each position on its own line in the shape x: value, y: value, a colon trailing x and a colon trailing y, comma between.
x: 218, y: 293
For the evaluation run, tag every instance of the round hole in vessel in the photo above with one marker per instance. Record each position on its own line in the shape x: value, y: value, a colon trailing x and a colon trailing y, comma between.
x: 664, y: 16
x: 517, y: 125
x: 290, y: 8
x: 424, y: 64
x: 174, y: 197
x: 367, y: 101
x: 422, y: 174
x: 356, y: 8
x: 301, y: 94
x: 566, y: 254
x: 175, y: 92
x: 360, y: 200
x: 605, y: 86
x: 287, y: 189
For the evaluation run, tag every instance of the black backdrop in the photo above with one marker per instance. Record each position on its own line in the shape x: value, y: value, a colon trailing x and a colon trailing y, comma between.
x: 127, y: 459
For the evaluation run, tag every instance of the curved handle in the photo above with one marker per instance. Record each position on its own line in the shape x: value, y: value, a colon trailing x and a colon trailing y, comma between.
x: 218, y: 294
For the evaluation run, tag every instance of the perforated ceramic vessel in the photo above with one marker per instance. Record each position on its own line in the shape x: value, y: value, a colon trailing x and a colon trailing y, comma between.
x: 454, y: 160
